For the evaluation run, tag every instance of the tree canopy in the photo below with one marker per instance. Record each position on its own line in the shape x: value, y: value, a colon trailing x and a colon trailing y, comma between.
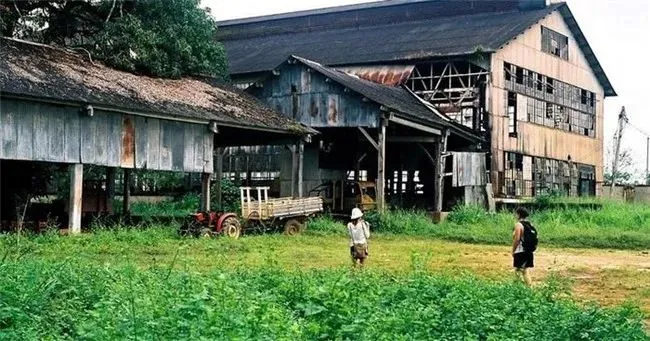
x: 163, y: 38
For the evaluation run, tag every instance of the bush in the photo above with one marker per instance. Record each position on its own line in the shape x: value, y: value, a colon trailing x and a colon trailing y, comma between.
x: 64, y: 300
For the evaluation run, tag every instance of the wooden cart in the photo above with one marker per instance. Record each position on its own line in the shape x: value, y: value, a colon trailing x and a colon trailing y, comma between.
x: 290, y: 214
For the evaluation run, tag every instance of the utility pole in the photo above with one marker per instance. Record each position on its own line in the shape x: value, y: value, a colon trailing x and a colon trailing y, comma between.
x: 622, y: 120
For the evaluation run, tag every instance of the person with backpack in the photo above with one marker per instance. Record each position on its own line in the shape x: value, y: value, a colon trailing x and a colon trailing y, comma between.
x: 359, y: 232
x: 524, y: 244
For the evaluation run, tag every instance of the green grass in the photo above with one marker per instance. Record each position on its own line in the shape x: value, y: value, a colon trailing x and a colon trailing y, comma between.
x: 79, y: 300
x: 615, y: 225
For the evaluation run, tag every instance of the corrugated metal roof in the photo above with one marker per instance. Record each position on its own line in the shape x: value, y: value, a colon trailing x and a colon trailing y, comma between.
x: 392, y: 75
x: 41, y: 71
x: 373, y: 35
x: 398, y: 99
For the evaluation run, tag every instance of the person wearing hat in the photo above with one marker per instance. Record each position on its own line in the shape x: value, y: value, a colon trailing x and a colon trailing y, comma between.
x: 359, y: 233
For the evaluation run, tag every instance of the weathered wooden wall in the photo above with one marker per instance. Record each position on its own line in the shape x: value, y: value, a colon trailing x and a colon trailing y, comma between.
x: 58, y: 133
x: 537, y: 140
x: 307, y: 97
x: 468, y: 169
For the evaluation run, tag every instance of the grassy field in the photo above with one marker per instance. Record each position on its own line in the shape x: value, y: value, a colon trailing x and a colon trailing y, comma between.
x: 150, y: 285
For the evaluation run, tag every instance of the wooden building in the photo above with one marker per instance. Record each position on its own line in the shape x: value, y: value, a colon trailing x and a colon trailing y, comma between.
x: 61, y: 107
x: 518, y: 73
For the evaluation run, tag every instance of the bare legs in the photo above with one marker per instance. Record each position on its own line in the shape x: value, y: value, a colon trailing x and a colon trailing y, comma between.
x: 525, y: 275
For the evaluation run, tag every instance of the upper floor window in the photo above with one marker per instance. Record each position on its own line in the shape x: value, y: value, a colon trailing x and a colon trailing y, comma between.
x: 555, y: 43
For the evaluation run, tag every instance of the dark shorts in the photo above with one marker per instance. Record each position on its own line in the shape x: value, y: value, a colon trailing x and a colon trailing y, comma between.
x: 523, y: 260
x: 359, y: 256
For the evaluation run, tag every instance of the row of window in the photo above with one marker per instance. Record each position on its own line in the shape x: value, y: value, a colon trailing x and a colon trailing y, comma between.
x: 536, y: 85
x: 555, y: 43
x: 527, y: 176
x: 548, y: 114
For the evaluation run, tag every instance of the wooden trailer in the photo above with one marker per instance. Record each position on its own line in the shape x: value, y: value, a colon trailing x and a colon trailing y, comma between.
x: 260, y: 211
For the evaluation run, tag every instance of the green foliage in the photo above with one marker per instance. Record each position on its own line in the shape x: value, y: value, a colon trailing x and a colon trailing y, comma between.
x: 163, y: 38
x: 65, y: 300
x: 230, y: 196
x: 166, y: 38
x: 615, y: 225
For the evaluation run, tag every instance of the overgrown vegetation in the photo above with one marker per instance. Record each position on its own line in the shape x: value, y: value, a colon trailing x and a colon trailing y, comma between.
x: 614, y: 225
x: 163, y: 38
x: 54, y: 300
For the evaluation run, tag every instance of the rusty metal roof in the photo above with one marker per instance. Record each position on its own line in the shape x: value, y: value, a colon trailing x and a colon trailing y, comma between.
x: 391, y: 75
x: 44, y: 72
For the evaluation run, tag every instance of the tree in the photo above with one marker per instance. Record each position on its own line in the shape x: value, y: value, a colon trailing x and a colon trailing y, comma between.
x: 625, y: 171
x: 163, y: 38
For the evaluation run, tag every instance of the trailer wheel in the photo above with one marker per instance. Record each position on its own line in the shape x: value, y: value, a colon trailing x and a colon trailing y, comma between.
x: 231, y: 227
x: 293, y: 227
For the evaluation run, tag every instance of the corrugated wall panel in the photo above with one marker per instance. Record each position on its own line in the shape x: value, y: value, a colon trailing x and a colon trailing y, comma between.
x: 141, y: 142
x: 41, y: 130
x: 56, y: 137
x: 189, y: 147
x: 166, y: 141
x: 88, y: 130
x: 72, y: 138
x: 208, y: 152
x: 25, y: 134
x: 153, y: 144
x: 178, y: 146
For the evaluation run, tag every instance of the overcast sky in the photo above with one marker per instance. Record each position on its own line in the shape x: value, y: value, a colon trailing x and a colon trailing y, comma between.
x: 617, y: 30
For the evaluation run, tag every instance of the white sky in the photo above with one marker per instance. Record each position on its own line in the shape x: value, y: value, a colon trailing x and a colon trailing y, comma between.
x: 617, y: 30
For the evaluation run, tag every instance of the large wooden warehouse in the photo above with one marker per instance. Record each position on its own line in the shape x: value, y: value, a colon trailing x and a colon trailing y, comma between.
x: 519, y: 73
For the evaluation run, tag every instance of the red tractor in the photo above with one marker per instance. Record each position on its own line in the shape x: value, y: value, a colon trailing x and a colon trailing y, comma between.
x: 208, y: 224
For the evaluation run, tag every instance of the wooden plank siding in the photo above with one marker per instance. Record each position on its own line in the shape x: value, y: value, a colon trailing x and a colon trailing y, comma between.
x: 64, y: 134
x: 312, y: 100
x: 533, y: 139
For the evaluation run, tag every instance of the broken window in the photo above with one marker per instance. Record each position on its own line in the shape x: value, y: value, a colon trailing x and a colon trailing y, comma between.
x: 519, y: 75
x: 549, y: 85
x: 507, y: 71
x: 512, y: 114
x: 555, y: 43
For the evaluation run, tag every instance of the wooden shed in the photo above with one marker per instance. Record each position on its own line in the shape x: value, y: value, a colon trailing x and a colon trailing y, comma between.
x: 59, y: 106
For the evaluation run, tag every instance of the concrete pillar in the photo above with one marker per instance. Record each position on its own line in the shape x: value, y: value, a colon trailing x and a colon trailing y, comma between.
x: 205, y: 191
x: 76, y: 192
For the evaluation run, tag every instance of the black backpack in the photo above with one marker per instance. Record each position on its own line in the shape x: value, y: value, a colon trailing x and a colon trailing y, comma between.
x: 530, y: 240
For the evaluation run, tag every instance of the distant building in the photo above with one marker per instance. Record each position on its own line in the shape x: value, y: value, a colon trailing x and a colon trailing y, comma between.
x: 519, y: 74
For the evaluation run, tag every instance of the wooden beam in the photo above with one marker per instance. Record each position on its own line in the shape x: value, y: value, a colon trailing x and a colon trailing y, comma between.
x: 218, y: 174
x: 110, y: 187
x: 369, y: 138
x: 76, y: 193
x: 301, y: 159
x: 126, y: 192
x: 294, y: 165
x: 205, y: 191
x: 414, y: 125
x: 438, y: 171
x: 381, y: 164
x: 411, y: 139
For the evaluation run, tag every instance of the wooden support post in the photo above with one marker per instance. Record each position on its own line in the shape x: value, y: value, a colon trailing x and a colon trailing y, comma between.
x: 110, y: 188
x: 294, y: 166
x: 301, y: 161
x: 218, y: 174
x: 205, y: 192
x: 76, y: 192
x: 357, y: 164
x: 438, y: 171
x: 126, y: 192
x: 381, y: 164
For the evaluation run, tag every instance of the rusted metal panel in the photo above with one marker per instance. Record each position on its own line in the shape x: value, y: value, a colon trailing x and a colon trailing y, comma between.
x: 178, y: 146
x: 141, y: 139
x: 392, y: 75
x: 127, y: 158
x: 153, y: 144
x: 332, y: 110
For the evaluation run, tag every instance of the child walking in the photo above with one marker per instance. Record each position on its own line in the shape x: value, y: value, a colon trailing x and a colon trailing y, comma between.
x: 359, y: 232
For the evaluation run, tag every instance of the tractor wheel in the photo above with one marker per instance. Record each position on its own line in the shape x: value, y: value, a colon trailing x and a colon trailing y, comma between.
x: 293, y: 227
x: 205, y: 233
x: 231, y: 228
